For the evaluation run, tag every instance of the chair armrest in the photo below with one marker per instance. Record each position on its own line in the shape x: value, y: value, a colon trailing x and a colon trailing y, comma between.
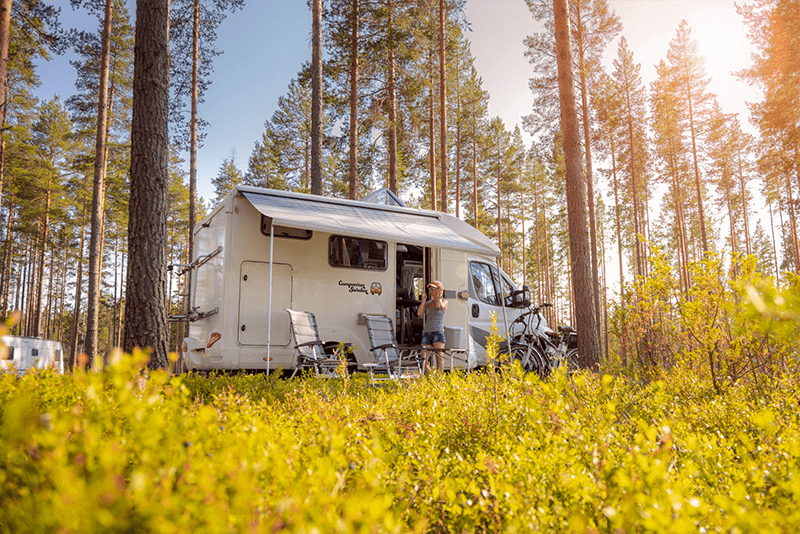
x: 309, y: 343
x: 384, y: 346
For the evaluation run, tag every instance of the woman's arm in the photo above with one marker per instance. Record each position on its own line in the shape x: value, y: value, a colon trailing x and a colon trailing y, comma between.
x: 422, y: 305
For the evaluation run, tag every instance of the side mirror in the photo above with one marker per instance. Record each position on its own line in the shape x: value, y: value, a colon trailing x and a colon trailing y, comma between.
x: 521, y: 298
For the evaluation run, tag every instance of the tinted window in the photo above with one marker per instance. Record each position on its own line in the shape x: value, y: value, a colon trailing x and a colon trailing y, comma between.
x: 357, y: 253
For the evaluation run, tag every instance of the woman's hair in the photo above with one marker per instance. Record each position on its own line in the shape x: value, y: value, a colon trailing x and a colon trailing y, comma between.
x: 439, y: 285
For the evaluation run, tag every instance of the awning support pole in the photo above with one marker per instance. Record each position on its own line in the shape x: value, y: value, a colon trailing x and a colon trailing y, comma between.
x: 269, y: 303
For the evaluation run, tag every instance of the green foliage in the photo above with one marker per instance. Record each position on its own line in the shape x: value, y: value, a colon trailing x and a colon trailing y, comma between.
x: 730, y: 325
x: 442, y: 453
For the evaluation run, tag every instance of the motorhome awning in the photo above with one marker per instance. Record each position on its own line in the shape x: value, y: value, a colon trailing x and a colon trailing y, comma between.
x: 413, y: 227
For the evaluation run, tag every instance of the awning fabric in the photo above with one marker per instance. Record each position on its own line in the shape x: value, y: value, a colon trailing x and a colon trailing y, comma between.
x: 353, y: 218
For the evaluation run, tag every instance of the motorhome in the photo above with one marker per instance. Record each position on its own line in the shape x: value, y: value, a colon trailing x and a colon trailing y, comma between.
x: 21, y: 353
x: 260, y: 252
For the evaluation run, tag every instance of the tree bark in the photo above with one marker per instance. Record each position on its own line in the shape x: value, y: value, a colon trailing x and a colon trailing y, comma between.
x: 442, y: 107
x: 392, y: 141
x: 587, y: 148
x: 316, y: 98
x: 700, y: 210
x: 431, y: 130
x: 748, y: 246
x: 353, y: 170
x: 98, y: 196
x: 192, y: 149
x: 5, y: 34
x: 586, y: 321
x: 145, y: 313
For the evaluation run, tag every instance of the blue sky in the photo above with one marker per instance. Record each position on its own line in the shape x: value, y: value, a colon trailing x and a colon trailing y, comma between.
x: 265, y: 44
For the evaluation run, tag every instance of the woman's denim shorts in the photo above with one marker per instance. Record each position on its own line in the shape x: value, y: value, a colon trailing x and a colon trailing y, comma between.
x: 429, y: 338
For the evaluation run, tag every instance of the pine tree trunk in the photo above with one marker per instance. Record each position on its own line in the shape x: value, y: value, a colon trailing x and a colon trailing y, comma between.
x: 5, y: 34
x: 442, y: 107
x: 792, y: 224
x: 50, y: 290
x: 192, y: 149
x: 499, y: 206
x: 145, y: 314
x: 98, y: 197
x: 747, y: 243
x: 700, y: 210
x: 431, y: 129
x: 392, y: 137
x: 353, y: 170
x: 587, y: 144
x: 458, y: 145
x: 474, y: 170
x: 536, y: 243
x: 73, y: 346
x: 586, y: 321
x: 524, y: 259
x: 316, y: 98
x: 40, y: 275
x: 63, y: 296
x: 634, y: 189
x: 619, y: 247
x: 8, y: 250
x: 774, y: 244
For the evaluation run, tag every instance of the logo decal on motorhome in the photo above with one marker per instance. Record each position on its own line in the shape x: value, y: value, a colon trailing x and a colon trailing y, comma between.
x: 376, y: 288
x: 354, y: 287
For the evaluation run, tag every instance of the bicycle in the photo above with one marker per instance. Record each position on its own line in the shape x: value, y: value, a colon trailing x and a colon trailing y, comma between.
x: 537, y: 347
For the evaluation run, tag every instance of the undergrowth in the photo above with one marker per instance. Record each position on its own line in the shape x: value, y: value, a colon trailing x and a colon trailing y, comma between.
x: 119, y: 450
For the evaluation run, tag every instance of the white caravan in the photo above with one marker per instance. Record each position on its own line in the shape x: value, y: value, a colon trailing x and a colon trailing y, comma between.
x: 338, y: 259
x: 21, y: 353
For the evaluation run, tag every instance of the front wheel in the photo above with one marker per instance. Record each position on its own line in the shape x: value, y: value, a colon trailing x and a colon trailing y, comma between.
x: 531, y: 359
x: 572, y: 360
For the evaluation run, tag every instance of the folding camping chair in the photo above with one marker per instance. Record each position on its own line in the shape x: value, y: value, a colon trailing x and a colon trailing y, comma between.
x: 391, y: 359
x: 309, y: 350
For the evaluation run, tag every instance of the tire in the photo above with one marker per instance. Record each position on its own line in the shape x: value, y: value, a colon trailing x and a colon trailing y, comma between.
x: 536, y: 362
x: 572, y: 360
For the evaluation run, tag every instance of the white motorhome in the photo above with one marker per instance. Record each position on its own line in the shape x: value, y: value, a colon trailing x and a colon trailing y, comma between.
x: 338, y: 259
x: 21, y: 353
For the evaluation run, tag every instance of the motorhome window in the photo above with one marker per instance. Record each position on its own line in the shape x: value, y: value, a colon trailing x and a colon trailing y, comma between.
x: 357, y: 253
x: 34, y: 352
x: 10, y: 354
x: 483, y: 284
x: 284, y: 231
x: 505, y: 288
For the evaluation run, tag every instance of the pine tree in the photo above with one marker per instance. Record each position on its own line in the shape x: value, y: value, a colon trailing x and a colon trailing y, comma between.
x: 690, y: 84
x: 774, y: 25
x: 588, y: 345
x: 145, y: 312
x: 226, y: 179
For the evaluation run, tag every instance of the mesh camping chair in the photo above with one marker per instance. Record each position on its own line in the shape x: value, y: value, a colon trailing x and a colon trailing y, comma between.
x: 390, y: 359
x: 308, y: 347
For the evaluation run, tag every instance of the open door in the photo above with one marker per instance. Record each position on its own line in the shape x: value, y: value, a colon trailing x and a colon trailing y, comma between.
x: 453, y: 274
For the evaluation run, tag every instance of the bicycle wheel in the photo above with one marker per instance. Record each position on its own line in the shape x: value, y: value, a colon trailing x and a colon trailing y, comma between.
x: 572, y: 360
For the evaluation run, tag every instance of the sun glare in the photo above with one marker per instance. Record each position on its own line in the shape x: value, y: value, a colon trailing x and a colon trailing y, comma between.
x: 722, y: 42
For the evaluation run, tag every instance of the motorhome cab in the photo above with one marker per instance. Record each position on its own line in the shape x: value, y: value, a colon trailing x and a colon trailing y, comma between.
x: 21, y: 353
x: 339, y: 259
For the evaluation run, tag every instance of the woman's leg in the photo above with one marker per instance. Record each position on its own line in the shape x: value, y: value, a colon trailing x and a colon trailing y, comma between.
x: 425, y: 355
x: 439, y: 357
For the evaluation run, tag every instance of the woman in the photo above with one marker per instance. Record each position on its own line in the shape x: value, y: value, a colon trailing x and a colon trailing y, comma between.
x: 433, y: 306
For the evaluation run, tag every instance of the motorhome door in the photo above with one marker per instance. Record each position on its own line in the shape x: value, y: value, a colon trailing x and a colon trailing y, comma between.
x: 254, y: 303
x: 490, y: 288
x: 454, y: 276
